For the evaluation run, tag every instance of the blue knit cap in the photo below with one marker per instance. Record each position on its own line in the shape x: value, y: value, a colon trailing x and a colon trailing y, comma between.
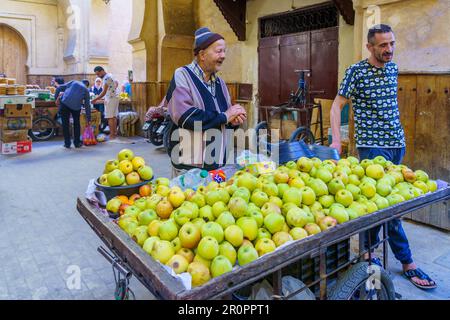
x: 204, y: 38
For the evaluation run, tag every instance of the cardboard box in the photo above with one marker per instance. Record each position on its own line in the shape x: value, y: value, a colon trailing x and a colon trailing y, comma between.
x: 13, y: 135
x: 16, y: 123
x: 18, y: 110
x: 20, y: 147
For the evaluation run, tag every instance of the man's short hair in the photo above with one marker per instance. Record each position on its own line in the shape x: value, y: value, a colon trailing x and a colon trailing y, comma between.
x: 379, y: 28
x: 98, y: 69
x: 59, y: 80
x: 86, y: 82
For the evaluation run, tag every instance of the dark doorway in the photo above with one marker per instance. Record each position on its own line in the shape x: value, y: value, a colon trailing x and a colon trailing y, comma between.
x: 303, y: 39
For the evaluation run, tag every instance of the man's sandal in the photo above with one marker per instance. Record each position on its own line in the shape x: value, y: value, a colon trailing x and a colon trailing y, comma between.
x: 418, y: 273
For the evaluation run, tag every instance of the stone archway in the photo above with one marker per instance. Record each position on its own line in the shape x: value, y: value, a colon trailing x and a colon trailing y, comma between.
x: 13, y: 54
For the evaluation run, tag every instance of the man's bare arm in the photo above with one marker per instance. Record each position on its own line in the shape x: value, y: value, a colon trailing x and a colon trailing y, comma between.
x: 335, y: 119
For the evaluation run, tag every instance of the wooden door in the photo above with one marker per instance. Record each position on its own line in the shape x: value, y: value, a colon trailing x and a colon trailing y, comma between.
x: 324, y: 63
x: 13, y: 54
x: 294, y: 55
x: 407, y: 103
x: 269, y: 71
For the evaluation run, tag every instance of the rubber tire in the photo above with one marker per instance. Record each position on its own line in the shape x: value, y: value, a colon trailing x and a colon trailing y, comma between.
x: 166, y: 137
x: 354, y: 277
x: 51, y: 133
x: 302, y: 130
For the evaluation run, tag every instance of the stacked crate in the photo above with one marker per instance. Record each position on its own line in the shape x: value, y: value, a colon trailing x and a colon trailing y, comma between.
x: 15, y: 122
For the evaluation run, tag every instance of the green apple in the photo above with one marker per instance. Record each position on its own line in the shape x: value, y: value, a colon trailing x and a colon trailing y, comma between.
x: 282, y: 188
x: 153, y: 201
x: 208, y: 248
x: 352, y: 213
x: 225, y: 220
x: 422, y: 176
x: 189, y: 235
x: 286, y: 207
x: 198, y: 199
x: 192, y: 207
x: 231, y: 189
x: 148, y: 244
x: 140, y: 235
x: 380, y: 160
x: 368, y: 180
x: 388, y: 179
x: 358, y: 171
x: 249, y: 227
x: 298, y: 233
x: 116, y: 178
x: 383, y: 188
x: 257, y: 216
x: 212, y: 197
x: 206, y: 213
x: 355, y: 191
x: 370, y: 205
x: 324, y: 175
x: 382, y: 203
x: 178, y: 263
x: 162, y: 182
x: 318, y: 186
x: 218, y: 208
x: 352, y: 160
x: 224, y: 195
x: 317, y: 162
x: 327, y: 222
x: 227, y: 250
x: 375, y: 171
x: 220, y: 265
x: 259, y: 198
x: 341, y: 175
x: 344, y: 197
x: 277, y: 201
x: 234, y: 235
x: 125, y: 154
x: 367, y: 189
x: 304, y: 164
x: 354, y: 179
x: 335, y: 185
x: 168, y: 230
x: 366, y: 162
x: 270, y: 207
x: 265, y: 246
x: 199, y: 222
x: 291, y: 165
x: 432, y: 185
x: 293, y: 195
x: 242, y: 193
x: 113, y: 205
x: 326, y: 201
x: 132, y: 211
x: 146, y: 217
x: 182, y: 215
x: 281, y: 238
x: 296, y: 183
x: 146, y: 173
x: 318, y: 215
x: 340, y: 214
x: 271, y: 189
x: 308, y: 196
x: 247, y: 181
x: 422, y: 186
x: 407, y: 194
x: 263, y: 234
x: 162, y: 251
x: 246, y: 255
x: 238, y: 207
x: 359, y: 208
x: 312, y: 229
x: 280, y: 177
x: 274, y: 222
x: 297, y: 217
x: 103, y: 180
x: 213, y: 229
x: 111, y: 165
x: 176, y: 243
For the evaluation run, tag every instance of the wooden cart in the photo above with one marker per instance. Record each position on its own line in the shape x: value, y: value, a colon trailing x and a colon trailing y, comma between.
x: 153, y: 276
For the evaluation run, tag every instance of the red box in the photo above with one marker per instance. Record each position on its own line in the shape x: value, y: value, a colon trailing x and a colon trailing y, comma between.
x: 20, y: 147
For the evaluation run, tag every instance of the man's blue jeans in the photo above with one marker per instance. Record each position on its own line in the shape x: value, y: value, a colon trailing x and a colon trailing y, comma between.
x: 397, y: 237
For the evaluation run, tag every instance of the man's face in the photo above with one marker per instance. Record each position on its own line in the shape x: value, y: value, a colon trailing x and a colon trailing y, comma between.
x: 100, y: 74
x: 382, y: 47
x: 98, y: 83
x: 213, y: 57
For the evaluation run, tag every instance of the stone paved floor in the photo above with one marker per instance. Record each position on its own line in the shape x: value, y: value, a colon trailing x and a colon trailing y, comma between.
x: 42, y: 234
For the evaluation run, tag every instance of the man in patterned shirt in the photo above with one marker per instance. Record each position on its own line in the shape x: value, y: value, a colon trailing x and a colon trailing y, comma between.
x: 371, y: 86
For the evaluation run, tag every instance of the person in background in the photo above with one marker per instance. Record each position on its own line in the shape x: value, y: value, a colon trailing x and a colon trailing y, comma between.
x: 112, y: 101
x: 97, y: 90
x: 69, y: 98
x: 126, y: 87
x: 57, y: 81
x: 371, y: 86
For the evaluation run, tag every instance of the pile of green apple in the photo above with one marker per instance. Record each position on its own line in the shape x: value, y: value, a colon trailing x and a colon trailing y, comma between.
x: 126, y: 170
x: 210, y: 231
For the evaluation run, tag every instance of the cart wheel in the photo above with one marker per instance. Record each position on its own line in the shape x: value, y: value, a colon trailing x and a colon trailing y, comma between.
x: 353, y: 284
x: 262, y: 138
x: 43, y: 129
x: 166, y: 137
x: 303, y: 134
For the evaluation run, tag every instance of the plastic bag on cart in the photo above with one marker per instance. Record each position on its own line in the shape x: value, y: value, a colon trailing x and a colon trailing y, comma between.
x: 264, y: 291
x: 256, y: 164
x: 96, y: 197
x: 185, y: 278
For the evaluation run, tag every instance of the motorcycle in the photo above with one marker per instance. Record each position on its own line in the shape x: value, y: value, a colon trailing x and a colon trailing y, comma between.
x: 155, y: 125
